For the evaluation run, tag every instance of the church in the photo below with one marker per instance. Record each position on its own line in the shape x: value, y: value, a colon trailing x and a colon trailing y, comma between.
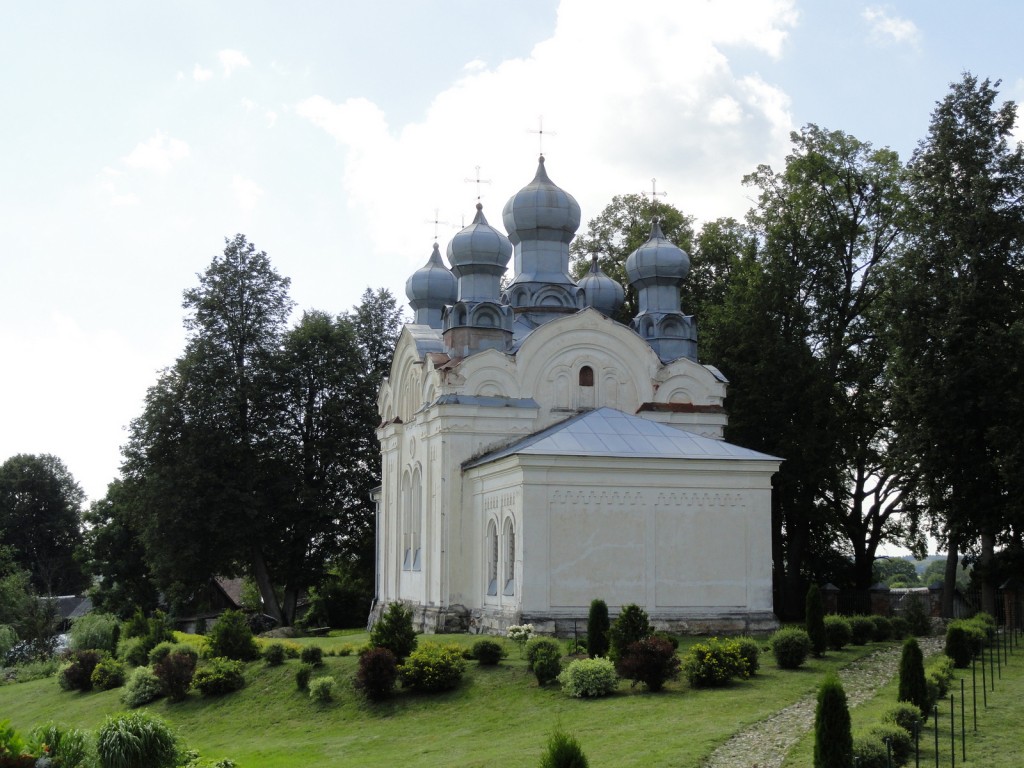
x: 537, y: 454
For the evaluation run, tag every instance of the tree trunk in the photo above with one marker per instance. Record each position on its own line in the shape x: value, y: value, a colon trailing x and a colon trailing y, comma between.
x: 949, y: 579
x: 291, y: 599
x: 266, y: 586
x: 988, y: 587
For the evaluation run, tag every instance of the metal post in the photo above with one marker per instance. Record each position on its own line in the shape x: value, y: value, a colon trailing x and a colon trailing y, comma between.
x: 888, y: 752
x: 935, y: 720
x: 952, y: 730
x: 963, y: 722
x: 984, y: 682
x: 999, y: 657
x: 974, y: 691
x: 917, y: 743
x: 991, y: 670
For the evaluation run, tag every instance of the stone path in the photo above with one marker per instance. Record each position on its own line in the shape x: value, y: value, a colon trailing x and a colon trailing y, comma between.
x: 765, y: 743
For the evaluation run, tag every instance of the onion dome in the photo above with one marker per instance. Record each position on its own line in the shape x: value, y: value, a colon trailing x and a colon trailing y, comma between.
x: 479, y: 248
x: 658, y: 261
x: 430, y: 288
x: 602, y: 292
x: 541, y: 211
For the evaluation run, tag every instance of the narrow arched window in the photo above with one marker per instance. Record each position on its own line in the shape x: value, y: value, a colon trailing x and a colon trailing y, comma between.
x: 492, y: 558
x: 586, y: 376
x: 510, y: 558
x: 416, y: 532
x: 406, y: 522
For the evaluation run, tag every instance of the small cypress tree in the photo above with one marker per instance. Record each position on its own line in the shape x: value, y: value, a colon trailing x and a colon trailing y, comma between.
x: 394, y: 631
x: 833, y: 739
x: 913, y: 687
x: 597, y: 629
x: 814, y: 620
x: 563, y: 752
x: 631, y: 625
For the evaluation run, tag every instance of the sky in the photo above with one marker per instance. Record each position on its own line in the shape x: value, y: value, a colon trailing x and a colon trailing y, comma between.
x: 342, y: 137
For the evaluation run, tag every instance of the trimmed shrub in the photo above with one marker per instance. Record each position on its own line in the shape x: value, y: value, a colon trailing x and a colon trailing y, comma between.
x: 488, y: 652
x: 814, y: 620
x: 906, y: 716
x: 917, y: 616
x: 175, y: 671
x: 750, y: 652
x: 575, y: 646
x: 900, y: 628
x: 833, y: 740
x: 96, y: 631
x: 563, y: 752
x: 133, y: 651
x: 869, y: 752
x: 76, y: 675
x: 900, y: 742
x: 546, y: 661
x: 231, y: 638
x: 432, y: 667
x: 394, y: 631
x: 883, y: 628
x: 218, y: 676
x: 377, y: 674
x: 913, y: 688
x: 964, y: 641
x: 713, y: 663
x: 838, y: 632
x: 862, y: 629
x: 312, y: 655
x: 790, y: 646
x: 160, y: 651
x: 274, y: 655
x: 136, y: 626
x: 589, y: 678
x: 597, y: 629
x: 937, y: 677
x: 651, y: 661
x: 986, y: 621
x: 321, y: 689
x: 631, y: 625
x: 143, y: 686
x: 136, y: 740
x: 302, y: 675
x: 108, y: 674
x: 68, y: 748
x: 541, y: 646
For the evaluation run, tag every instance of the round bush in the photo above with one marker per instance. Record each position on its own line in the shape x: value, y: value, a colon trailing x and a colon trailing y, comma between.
x: 321, y: 689
x: 274, y: 655
x: 651, y: 661
x: 869, y: 752
x: 312, y: 655
x: 546, y: 662
x: 750, y: 651
x: 589, y: 678
x: 713, y: 663
x: 176, y: 671
x: 837, y: 632
x: 108, y: 674
x: 160, y: 651
x: 488, y: 652
x: 143, y: 686
x: 899, y: 739
x: 906, y: 716
x: 536, y: 646
x: 76, y: 675
x: 302, y: 675
x: 862, y: 629
x: 231, y: 638
x: 136, y: 740
x: 133, y: 651
x: 883, y: 628
x: 938, y: 675
x: 219, y: 676
x: 964, y: 641
x: 432, y: 667
x: 900, y: 628
x: 377, y: 674
x: 790, y: 647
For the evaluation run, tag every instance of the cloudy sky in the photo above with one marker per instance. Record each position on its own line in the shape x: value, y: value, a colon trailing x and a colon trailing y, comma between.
x: 137, y: 136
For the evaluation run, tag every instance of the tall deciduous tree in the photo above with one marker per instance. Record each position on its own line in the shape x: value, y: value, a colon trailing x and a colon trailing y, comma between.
x: 957, y: 316
x: 40, y: 518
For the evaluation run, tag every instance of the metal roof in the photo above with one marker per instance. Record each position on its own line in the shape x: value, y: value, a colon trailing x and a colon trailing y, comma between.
x: 608, y: 432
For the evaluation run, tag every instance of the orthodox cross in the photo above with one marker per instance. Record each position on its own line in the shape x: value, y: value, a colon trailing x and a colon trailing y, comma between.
x: 478, y: 181
x: 437, y: 223
x: 540, y: 133
x: 655, y: 194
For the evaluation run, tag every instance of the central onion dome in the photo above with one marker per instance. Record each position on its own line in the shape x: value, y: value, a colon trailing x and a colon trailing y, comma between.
x: 602, y: 292
x: 430, y: 288
x: 479, y: 248
x: 659, y: 261
x: 541, y: 211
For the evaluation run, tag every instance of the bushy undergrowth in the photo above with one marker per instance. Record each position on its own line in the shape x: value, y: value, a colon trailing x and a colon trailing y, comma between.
x: 589, y: 678
x: 394, y: 631
x: 545, y: 659
x: 750, y: 650
x: 274, y: 654
x: 108, y: 674
x: 838, y: 632
x: 76, y: 674
x: 99, y: 631
x: 65, y: 747
x: 143, y: 686
x: 432, y: 668
x: 541, y: 646
x: 916, y: 615
x: 302, y: 675
x: 651, y: 661
x: 488, y: 653
x: 714, y: 662
x: 790, y: 646
x: 218, y: 676
x: 231, y: 638
x: 312, y: 655
x: 136, y: 740
x: 176, y: 671
x: 377, y: 674
x: 133, y: 651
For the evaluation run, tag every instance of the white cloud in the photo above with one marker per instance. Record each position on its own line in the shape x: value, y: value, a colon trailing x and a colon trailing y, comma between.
x: 271, y: 116
x: 157, y: 154
x: 890, y: 29
x: 232, y: 60
x: 109, y: 182
x: 200, y: 73
x: 247, y: 192
x: 475, y: 65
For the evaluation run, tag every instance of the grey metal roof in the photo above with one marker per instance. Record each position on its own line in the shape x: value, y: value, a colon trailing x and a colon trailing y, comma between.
x: 608, y: 432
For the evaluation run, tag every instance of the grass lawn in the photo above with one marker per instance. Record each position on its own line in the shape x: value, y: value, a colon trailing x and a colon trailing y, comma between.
x: 498, y: 716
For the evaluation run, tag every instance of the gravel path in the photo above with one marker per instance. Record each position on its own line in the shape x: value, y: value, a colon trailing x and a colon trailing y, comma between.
x: 765, y: 744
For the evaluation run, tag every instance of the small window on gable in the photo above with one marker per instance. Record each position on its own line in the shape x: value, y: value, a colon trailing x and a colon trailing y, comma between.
x: 586, y: 376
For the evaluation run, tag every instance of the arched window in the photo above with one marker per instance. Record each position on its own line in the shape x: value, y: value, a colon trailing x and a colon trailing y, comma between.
x: 586, y: 376
x: 510, y: 558
x: 406, y: 522
x: 416, y: 529
x: 492, y: 558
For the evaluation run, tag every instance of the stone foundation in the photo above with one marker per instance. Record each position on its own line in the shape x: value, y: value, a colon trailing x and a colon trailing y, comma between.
x: 429, y: 619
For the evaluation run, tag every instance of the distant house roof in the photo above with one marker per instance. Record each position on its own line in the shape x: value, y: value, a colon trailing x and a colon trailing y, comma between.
x: 232, y: 589
x: 72, y: 606
x: 608, y: 432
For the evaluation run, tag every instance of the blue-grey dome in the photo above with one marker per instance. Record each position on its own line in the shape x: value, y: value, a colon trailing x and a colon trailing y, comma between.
x: 479, y: 248
x: 658, y: 261
x: 541, y: 211
x: 433, y: 284
x: 602, y: 292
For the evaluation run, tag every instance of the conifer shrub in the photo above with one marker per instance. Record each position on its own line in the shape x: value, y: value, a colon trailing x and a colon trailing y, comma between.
x: 488, y: 653
x: 274, y: 654
x: 906, y: 716
x: 312, y: 655
x: 563, y: 751
x: 541, y: 646
x: 916, y: 614
x: 589, y: 678
x: 837, y: 631
x: 432, y: 668
x: 97, y: 631
x: 750, y: 652
x: 175, y: 672
x: 814, y: 620
x: 133, y: 651
x: 230, y: 637
x: 108, y: 674
x: 136, y: 740
x: 833, y: 740
x: 218, y: 676
x: 899, y: 740
x: 394, y: 631
x: 546, y: 662
x: 376, y: 674
x: 862, y: 630
x: 790, y: 646
x: 302, y: 675
x: 651, y: 661
x: 321, y: 689
x: 883, y: 628
x: 142, y: 687
x: 136, y: 626
x: 913, y: 688
x: 713, y: 663
x: 76, y: 675
x: 598, y: 626
x: 631, y: 625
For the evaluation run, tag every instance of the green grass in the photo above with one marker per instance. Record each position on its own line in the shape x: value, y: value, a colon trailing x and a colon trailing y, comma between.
x: 998, y: 743
x: 498, y: 716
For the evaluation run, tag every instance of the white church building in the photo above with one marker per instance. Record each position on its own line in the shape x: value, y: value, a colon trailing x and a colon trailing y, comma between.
x: 537, y: 454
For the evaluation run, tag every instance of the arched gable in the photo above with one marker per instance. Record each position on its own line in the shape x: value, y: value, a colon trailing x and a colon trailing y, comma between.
x: 685, y: 381
x: 489, y: 374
